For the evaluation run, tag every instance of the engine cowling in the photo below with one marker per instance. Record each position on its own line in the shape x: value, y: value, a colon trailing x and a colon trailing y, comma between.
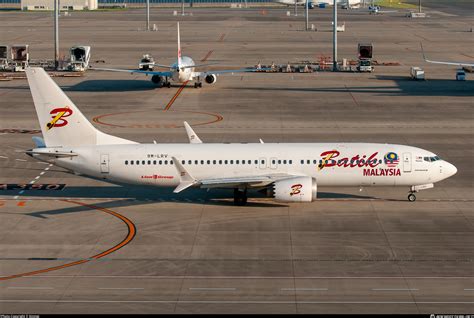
x: 210, y: 79
x: 298, y: 189
x: 157, y: 79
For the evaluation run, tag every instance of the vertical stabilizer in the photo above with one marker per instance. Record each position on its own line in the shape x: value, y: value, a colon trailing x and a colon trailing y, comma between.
x: 62, y: 123
x: 179, y: 49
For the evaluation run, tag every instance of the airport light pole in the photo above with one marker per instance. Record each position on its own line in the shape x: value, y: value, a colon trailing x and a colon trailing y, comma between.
x: 56, y: 34
x: 148, y: 15
x: 334, y: 38
x: 307, y: 18
x: 419, y: 6
x: 296, y: 8
x: 182, y: 7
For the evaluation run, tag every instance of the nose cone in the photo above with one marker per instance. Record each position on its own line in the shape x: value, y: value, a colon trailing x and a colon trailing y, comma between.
x: 449, y: 170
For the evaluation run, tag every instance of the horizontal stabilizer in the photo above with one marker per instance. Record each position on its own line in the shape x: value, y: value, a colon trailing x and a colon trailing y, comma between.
x: 56, y: 154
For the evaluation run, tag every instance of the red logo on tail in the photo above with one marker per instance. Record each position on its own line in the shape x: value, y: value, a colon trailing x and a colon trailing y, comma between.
x: 58, y: 117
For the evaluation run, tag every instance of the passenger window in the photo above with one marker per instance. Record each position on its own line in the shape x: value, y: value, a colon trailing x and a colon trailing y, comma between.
x: 126, y: 162
x: 284, y: 162
x: 166, y: 162
x: 196, y: 162
x: 190, y: 162
x: 316, y: 162
x: 138, y: 162
x: 249, y: 162
x: 220, y: 162
x: 290, y: 162
x: 131, y: 162
x: 256, y: 162
x: 308, y: 161
x: 237, y: 162
x: 202, y: 162
x: 154, y: 162
x: 214, y: 162
x: 143, y: 162
x: 149, y: 162
x: 263, y: 162
x: 183, y: 162
x: 225, y: 162
x: 232, y: 162
x: 279, y: 162
x: 302, y: 162
x: 209, y: 162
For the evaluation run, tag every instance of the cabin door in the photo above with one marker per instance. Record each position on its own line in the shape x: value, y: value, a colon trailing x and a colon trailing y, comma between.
x: 104, y: 163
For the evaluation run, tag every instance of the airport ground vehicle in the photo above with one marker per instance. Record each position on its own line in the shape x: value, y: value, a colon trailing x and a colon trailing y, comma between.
x: 460, y: 75
x: 417, y: 73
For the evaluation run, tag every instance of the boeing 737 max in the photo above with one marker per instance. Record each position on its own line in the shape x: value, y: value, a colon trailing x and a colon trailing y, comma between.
x: 182, y: 71
x: 289, y: 172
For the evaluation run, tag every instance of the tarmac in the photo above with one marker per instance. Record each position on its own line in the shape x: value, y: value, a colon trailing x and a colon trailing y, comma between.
x: 69, y: 244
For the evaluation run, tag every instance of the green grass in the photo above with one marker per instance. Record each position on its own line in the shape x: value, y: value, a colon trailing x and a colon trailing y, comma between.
x: 398, y: 4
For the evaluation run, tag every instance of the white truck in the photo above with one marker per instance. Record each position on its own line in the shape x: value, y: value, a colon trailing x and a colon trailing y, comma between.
x: 417, y: 73
x: 365, y: 65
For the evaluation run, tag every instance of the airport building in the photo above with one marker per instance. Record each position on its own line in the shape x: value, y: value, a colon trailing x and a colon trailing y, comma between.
x: 64, y: 4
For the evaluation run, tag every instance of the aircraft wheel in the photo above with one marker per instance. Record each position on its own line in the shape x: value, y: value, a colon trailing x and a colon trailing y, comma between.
x: 168, y: 84
x: 240, y: 197
x: 412, y: 197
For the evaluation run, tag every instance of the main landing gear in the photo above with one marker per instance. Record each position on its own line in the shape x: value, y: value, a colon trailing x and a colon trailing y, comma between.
x: 197, y: 85
x: 240, y: 197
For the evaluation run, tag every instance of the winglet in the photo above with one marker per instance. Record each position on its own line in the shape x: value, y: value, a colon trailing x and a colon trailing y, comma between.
x: 193, y: 138
x: 186, y: 180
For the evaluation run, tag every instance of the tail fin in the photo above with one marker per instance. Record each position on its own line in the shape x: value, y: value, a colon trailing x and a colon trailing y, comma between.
x: 62, y: 123
x: 179, y: 49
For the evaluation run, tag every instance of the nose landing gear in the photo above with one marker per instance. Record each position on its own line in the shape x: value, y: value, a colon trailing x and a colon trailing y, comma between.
x: 197, y: 85
x: 414, y: 189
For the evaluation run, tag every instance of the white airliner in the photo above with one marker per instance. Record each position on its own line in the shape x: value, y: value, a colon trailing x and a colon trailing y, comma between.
x: 289, y: 172
x: 182, y: 71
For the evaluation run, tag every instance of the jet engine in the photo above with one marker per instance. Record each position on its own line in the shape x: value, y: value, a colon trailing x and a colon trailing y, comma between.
x: 157, y: 79
x: 298, y: 189
x: 210, y: 79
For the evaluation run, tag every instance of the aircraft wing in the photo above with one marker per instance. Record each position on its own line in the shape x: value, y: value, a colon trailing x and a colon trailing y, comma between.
x: 249, y: 181
x: 219, y: 72
x: 187, y: 180
x: 167, y: 74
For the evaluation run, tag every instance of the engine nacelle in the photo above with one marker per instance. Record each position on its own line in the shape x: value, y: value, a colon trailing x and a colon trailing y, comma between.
x: 210, y: 79
x: 298, y: 189
x: 157, y: 79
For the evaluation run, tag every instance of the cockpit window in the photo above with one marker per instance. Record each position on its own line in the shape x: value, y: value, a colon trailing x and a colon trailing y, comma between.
x: 431, y: 159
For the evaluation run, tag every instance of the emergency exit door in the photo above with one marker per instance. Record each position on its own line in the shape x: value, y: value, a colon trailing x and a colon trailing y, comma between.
x: 407, y: 162
x: 104, y: 163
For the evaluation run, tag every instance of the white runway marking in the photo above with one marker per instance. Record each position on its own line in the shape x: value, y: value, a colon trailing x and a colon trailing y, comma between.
x: 394, y: 289
x: 22, y: 160
x: 29, y: 288
x: 303, y: 289
x: 211, y: 288
x: 118, y: 288
x: 228, y: 301
x: 247, y: 277
x: 32, y: 181
x: 3, y: 157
